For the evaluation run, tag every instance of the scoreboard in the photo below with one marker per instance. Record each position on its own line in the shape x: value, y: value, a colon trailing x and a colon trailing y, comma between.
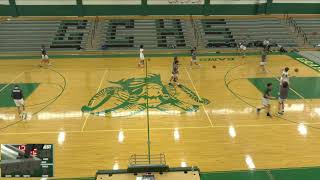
x: 26, y: 160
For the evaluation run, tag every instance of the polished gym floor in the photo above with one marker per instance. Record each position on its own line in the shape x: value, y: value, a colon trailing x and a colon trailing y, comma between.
x: 96, y: 112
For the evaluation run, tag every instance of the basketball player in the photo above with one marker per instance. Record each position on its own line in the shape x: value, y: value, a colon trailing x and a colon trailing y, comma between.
x: 141, y: 63
x: 175, y: 71
x: 17, y: 97
x: 44, y: 57
x: 263, y: 62
x: 284, y: 90
x: 194, y: 57
x: 284, y: 76
x: 266, y: 43
x: 282, y: 49
x: 242, y: 49
x: 266, y: 100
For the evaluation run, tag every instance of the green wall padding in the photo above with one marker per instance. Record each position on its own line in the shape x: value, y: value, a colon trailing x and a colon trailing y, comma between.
x: 144, y: 9
x: 6, y: 10
x: 114, y: 10
x: 49, y: 10
x: 307, y: 8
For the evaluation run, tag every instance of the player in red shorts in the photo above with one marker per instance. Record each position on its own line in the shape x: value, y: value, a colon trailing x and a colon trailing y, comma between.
x: 44, y: 57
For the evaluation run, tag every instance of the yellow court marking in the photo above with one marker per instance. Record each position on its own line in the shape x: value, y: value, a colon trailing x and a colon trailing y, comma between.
x: 194, y: 87
x: 89, y: 139
x: 18, y: 76
x: 81, y: 69
x: 4, y: 87
x: 101, y: 81
x: 169, y: 128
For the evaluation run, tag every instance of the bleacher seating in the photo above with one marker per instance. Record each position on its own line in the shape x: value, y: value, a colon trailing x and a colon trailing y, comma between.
x: 261, y: 29
x: 29, y: 35
x: 312, y: 29
x: 227, y: 33
x: 129, y: 34
x: 153, y: 34
x: 71, y: 34
x: 216, y: 33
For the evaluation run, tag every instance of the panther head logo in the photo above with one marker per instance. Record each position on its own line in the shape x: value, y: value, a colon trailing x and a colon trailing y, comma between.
x: 137, y: 94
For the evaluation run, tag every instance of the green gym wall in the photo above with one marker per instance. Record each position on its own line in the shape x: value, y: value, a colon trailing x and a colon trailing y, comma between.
x: 147, y: 7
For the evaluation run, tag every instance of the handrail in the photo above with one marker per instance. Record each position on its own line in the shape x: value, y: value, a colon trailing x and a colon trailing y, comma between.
x: 93, y: 33
x: 196, y: 35
x: 298, y: 29
x: 286, y: 17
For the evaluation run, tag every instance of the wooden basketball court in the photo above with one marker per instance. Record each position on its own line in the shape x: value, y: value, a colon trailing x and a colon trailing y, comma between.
x: 210, y: 121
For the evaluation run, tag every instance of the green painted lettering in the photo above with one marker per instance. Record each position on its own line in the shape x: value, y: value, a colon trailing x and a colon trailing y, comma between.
x: 309, y: 63
x: 301, y: 59
x: 317, y: 68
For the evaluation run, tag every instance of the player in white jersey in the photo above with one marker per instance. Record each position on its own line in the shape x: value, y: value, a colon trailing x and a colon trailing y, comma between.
x: 284, y: 76
x: 242, y: 49
x: 141, y: 63
x: 194, y: 57
x: 263, y: 61
x: 266, y: 42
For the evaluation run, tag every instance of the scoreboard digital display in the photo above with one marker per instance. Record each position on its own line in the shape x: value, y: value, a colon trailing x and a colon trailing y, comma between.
x: 26, y: 160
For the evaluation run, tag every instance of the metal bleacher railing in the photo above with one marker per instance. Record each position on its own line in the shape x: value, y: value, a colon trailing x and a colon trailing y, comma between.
x: 195, y: 30
x: 93, y: 30
x: 300, y: 32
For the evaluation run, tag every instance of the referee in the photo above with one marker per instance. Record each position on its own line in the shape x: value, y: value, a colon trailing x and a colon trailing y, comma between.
x: 17, y: 96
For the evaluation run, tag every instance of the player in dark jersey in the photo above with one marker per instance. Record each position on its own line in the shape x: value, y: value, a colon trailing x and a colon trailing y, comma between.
x: 175, y: 71
x: 194, y: 57
x: 283, y: 95
x: 17, y: 96
x: 44, y: 57
x: 266, y: 100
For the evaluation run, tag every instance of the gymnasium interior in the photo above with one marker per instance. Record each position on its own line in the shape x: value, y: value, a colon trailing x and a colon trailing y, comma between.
x: 96, y: 112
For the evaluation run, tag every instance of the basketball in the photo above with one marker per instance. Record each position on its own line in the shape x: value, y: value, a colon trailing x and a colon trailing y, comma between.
x: 296, y: 70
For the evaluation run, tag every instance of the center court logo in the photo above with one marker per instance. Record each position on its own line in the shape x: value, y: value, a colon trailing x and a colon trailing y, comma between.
x: 134, y: 95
